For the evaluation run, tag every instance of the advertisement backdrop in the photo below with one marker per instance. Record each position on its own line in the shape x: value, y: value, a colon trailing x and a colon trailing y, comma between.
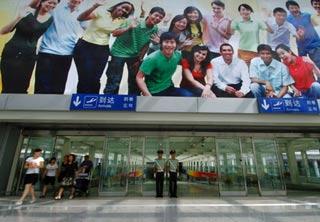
x: 9, y: 9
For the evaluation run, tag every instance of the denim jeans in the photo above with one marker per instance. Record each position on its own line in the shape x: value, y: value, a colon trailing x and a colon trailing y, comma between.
x: 196, y: 92
x: 173, y: 91
x: 314, y: 55
x: 259, y: 90
x: 115, y: 71
x: 313, y: 91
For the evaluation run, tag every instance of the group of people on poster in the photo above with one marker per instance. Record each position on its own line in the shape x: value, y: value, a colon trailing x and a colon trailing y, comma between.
x: 197, y: 42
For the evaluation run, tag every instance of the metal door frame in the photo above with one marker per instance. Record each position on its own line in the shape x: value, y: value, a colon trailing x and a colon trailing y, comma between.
x: 270, y: 192
x: 230, y: 193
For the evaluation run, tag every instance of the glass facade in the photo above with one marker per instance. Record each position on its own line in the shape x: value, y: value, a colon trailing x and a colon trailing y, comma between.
x: 209, y: 165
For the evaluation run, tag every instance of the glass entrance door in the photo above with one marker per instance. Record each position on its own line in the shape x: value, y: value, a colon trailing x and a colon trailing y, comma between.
x: 115, y: 167
x: 81, y: 146
x: 135, y: 175
x: 250, y: 167
x: 231, y: 180
x: 268, y: 168
x: 46, y: 143
x: 152, y: 145
x: 197, y: 166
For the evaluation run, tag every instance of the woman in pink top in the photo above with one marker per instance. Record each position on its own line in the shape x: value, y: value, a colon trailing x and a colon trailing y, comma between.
x: 303, y: 71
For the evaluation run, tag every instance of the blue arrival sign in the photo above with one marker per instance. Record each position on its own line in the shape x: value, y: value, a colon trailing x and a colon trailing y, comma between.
x: 103, y: 102
x: 288, y: 105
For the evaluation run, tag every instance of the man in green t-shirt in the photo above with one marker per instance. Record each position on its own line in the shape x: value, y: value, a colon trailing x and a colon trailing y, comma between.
x: 157, y: 69
x: 130, y: 46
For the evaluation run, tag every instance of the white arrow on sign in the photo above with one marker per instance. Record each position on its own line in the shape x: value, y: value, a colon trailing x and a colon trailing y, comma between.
x: 77, y: 102
x: 265, y: 105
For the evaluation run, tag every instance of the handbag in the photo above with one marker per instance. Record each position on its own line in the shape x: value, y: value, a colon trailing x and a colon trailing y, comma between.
x: 67, y: 181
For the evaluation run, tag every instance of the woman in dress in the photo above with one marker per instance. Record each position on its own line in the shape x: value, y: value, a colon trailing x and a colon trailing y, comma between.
x: 67, y: 177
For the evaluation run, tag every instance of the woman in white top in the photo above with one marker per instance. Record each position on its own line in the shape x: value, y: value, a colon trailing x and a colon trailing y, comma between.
x: 33, y: 165
x: 49, y: 175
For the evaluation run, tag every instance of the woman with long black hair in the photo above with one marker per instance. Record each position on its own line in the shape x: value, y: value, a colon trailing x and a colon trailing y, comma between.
x: 19, y: 54
x: 195, y: 26
x: 197, y: 72
x: 178, y: 26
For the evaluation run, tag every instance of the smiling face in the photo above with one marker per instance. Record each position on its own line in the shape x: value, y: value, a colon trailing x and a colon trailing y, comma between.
x: 154, y: 19
x: 245, y: 13
x: 294, y: 10
x: 285, y: 56
x: 122, y: 10
x: 316, y: 6
x: 48, y: 5
x: 227, y: 53
x: 181, y: 25
x: 168, y: 47
x: 217, y: 10
x: 200, y: 55
x: 280, y: 17
x: 193, y: 16
x: 266, y: 56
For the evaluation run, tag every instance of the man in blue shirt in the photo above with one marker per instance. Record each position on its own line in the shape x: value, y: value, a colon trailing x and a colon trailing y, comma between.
x: 270, y: 78
x: 56, y: 49
x: 309, y: 44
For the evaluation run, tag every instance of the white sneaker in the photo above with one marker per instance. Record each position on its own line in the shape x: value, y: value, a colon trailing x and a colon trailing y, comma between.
x: 18, y: 203
x: 32, y: 201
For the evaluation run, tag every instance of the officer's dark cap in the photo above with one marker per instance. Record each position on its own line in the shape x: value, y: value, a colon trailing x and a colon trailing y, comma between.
x: 172, y: 151
x: 160, y: 151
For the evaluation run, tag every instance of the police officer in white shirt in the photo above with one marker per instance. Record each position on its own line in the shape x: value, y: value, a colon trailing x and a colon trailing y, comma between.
x: 173, y: 169
x: 159, y: 170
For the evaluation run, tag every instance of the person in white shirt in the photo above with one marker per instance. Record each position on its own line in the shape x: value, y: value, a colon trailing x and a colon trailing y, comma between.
x: 172, y: 166
x: 231, y: 75
x: 33, y: 165
x: 49, y: 175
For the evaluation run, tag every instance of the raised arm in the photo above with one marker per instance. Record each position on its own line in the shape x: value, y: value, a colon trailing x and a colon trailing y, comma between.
x: 88, y: 14
x: 316, y: 70
x: 10, y: 27
x: 122, y: 30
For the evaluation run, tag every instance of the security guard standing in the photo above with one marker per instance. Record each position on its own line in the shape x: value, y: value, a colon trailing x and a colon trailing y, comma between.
x: 173, y: 169
x: 159, y: 170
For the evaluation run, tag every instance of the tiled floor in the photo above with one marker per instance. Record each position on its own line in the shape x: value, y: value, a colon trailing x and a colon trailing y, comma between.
x: 248, y: 209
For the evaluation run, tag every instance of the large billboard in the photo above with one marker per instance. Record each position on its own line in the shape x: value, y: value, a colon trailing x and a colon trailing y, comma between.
x: 198, y: 48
